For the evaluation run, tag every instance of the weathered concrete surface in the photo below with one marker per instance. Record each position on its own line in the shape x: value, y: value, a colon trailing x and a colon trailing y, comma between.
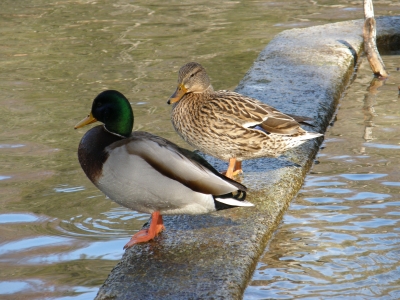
x: 302, y: 71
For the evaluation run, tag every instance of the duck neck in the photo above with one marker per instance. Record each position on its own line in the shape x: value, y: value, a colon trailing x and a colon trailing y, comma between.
x: 208, y: 90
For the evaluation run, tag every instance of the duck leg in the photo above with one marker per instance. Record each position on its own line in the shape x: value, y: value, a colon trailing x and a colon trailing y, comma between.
x: 238, y: 168
x: 234, y: 168
x: 145, y: 235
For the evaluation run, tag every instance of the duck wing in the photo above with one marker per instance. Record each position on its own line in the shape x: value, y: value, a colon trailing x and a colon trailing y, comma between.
x: 179, y: 164
x: 250, y: 112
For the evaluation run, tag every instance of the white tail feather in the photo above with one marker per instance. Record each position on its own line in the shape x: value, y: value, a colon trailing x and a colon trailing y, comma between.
x: 309, y: 135
x: 234, y: 202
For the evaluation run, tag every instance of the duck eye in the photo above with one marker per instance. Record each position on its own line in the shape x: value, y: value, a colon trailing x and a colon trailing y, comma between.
x: 192, y: 75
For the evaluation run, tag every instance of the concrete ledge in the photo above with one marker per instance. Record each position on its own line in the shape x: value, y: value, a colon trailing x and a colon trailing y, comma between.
x: 303, y: 72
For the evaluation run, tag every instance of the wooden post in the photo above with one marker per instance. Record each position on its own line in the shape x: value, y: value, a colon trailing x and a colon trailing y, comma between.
x: 369, y: 35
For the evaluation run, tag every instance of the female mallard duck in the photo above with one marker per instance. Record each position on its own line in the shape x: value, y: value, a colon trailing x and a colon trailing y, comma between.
x: 228, y: 125
x: 147, y: 173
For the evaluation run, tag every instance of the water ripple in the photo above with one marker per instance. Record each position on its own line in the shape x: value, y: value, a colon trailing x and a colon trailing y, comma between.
x: 391, y: 183
x: 369, y: 196
x: 318, y: 200
x: 335, y: 190
x: 116, y: 222
x: 15, y: 286
x: 107, y: 250
x: 66, y: 189
x: 32, y: 243
x: 375, y: 223
x: 11, y: 146
x: 381, y: 146
x: 18, y: 218
x: 362, y: 176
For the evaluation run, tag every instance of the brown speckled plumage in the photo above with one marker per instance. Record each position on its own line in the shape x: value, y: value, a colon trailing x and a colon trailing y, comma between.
x: 229, y: 125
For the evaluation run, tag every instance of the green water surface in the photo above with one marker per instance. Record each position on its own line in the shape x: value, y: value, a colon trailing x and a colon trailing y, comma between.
x: 59, y: 236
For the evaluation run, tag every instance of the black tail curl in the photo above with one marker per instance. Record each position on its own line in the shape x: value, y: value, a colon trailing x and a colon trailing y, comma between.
x: 239, y: 195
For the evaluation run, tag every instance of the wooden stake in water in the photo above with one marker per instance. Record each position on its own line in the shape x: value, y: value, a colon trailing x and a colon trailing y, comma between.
x: 369, y: 35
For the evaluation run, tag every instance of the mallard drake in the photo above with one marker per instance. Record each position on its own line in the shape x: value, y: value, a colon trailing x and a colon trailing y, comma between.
x: 147, y: 173
x: 228, y: 125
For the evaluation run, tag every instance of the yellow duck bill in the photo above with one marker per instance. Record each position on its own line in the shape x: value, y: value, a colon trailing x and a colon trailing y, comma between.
x: 86, y: 121
x: 179, y: 93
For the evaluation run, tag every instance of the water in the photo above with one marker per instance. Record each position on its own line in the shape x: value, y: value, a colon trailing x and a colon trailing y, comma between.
x: 341, y: 238
x: 59, y: 236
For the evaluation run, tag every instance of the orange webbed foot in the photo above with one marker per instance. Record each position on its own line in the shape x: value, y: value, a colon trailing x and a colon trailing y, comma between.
x: 145, y: 235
